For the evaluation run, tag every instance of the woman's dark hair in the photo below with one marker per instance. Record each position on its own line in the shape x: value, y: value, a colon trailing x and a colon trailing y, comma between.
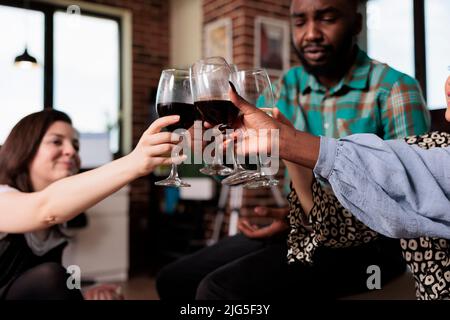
x: 22, y: 144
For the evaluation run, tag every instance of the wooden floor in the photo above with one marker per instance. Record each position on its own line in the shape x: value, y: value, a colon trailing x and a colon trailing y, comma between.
x: 140, y: 288
x: 143, y: 288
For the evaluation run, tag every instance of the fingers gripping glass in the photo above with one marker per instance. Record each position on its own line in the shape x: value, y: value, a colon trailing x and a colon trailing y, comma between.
x: 255, y: 87
x: 174, y: 97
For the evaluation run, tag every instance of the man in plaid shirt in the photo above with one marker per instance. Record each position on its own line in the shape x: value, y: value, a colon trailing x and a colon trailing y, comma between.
x: 370, y: 98
x: 336, y: 91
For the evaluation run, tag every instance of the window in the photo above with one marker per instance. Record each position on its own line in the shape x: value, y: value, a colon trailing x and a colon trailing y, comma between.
x: 21, y: 90
x: 437, y: 28
x: 390, y: 33
x: 79, y: 67
x: 86, y: 77
x: 412, y: 36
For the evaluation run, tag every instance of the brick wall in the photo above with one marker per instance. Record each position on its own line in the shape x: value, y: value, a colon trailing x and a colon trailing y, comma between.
x: 150, y: 54
x: 243, y: 14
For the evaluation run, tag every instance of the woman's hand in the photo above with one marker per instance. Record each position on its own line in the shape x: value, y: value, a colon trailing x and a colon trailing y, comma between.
x: 104, y: 292
x: 155, y: 147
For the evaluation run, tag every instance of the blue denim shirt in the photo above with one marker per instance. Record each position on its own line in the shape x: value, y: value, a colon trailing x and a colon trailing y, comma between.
x: 396, y: 189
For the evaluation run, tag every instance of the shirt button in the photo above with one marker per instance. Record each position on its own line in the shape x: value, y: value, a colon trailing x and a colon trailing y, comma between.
x: 326, y: 125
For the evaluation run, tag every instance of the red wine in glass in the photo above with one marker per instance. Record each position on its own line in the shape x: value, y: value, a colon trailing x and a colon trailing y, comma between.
x: 217, y: 111
x: 174, y: 97
x: 187, y: 112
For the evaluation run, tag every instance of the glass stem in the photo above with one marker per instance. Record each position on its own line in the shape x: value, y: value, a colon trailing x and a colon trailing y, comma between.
x: 217, y: 160
x: 259, y: 166
x: 236, y: 165
x: 173, y: 172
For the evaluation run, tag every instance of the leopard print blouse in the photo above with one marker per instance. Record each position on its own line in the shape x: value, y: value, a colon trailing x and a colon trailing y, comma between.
x: 429, y: 258
x: 329, y: 224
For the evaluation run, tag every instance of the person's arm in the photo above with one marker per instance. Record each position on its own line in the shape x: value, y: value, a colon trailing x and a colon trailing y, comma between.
x: 301, y: 177
x: 62, y: 200
x: 396, y: 189
x: 299, y: 147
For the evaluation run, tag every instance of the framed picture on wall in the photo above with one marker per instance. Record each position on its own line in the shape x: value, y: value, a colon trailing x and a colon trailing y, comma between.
x: 271, y: 45
x: 218, y: 40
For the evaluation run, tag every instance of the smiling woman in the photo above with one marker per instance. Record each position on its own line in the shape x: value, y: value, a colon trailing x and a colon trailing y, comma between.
x: 40, y: 190
x: 46, y: 143
x: 57, y: 156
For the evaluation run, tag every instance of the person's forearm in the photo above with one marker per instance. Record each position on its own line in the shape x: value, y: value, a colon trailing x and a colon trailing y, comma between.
x: 299, y: 147
x: 63, y: 199
x: 398, y: 190
x: 66, y: 198
x: 301, y: 178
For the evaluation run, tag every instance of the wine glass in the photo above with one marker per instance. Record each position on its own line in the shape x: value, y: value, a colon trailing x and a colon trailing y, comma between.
x: 210, y: 87
x: 240, y: 174
x: 255, y: 87
x: 234, y: 67
x: 174, y: 97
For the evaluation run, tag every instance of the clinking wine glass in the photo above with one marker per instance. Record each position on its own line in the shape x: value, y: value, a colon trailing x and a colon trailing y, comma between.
x: 174, y: 97
x: 210, y: 87
x: 239, y: 174
x: 255, y: 87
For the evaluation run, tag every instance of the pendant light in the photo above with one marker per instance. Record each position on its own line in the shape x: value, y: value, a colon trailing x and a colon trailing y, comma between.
x: 25, y: 60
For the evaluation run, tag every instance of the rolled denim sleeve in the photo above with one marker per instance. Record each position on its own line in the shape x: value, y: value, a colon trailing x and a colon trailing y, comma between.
x: 327, y: 157
x: 396, y: 189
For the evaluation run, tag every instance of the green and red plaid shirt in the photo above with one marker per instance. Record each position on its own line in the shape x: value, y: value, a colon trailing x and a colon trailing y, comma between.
x: 371, y: 98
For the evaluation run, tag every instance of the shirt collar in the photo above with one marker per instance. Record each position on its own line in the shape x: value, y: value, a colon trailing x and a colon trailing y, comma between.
x: 357, y: 77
